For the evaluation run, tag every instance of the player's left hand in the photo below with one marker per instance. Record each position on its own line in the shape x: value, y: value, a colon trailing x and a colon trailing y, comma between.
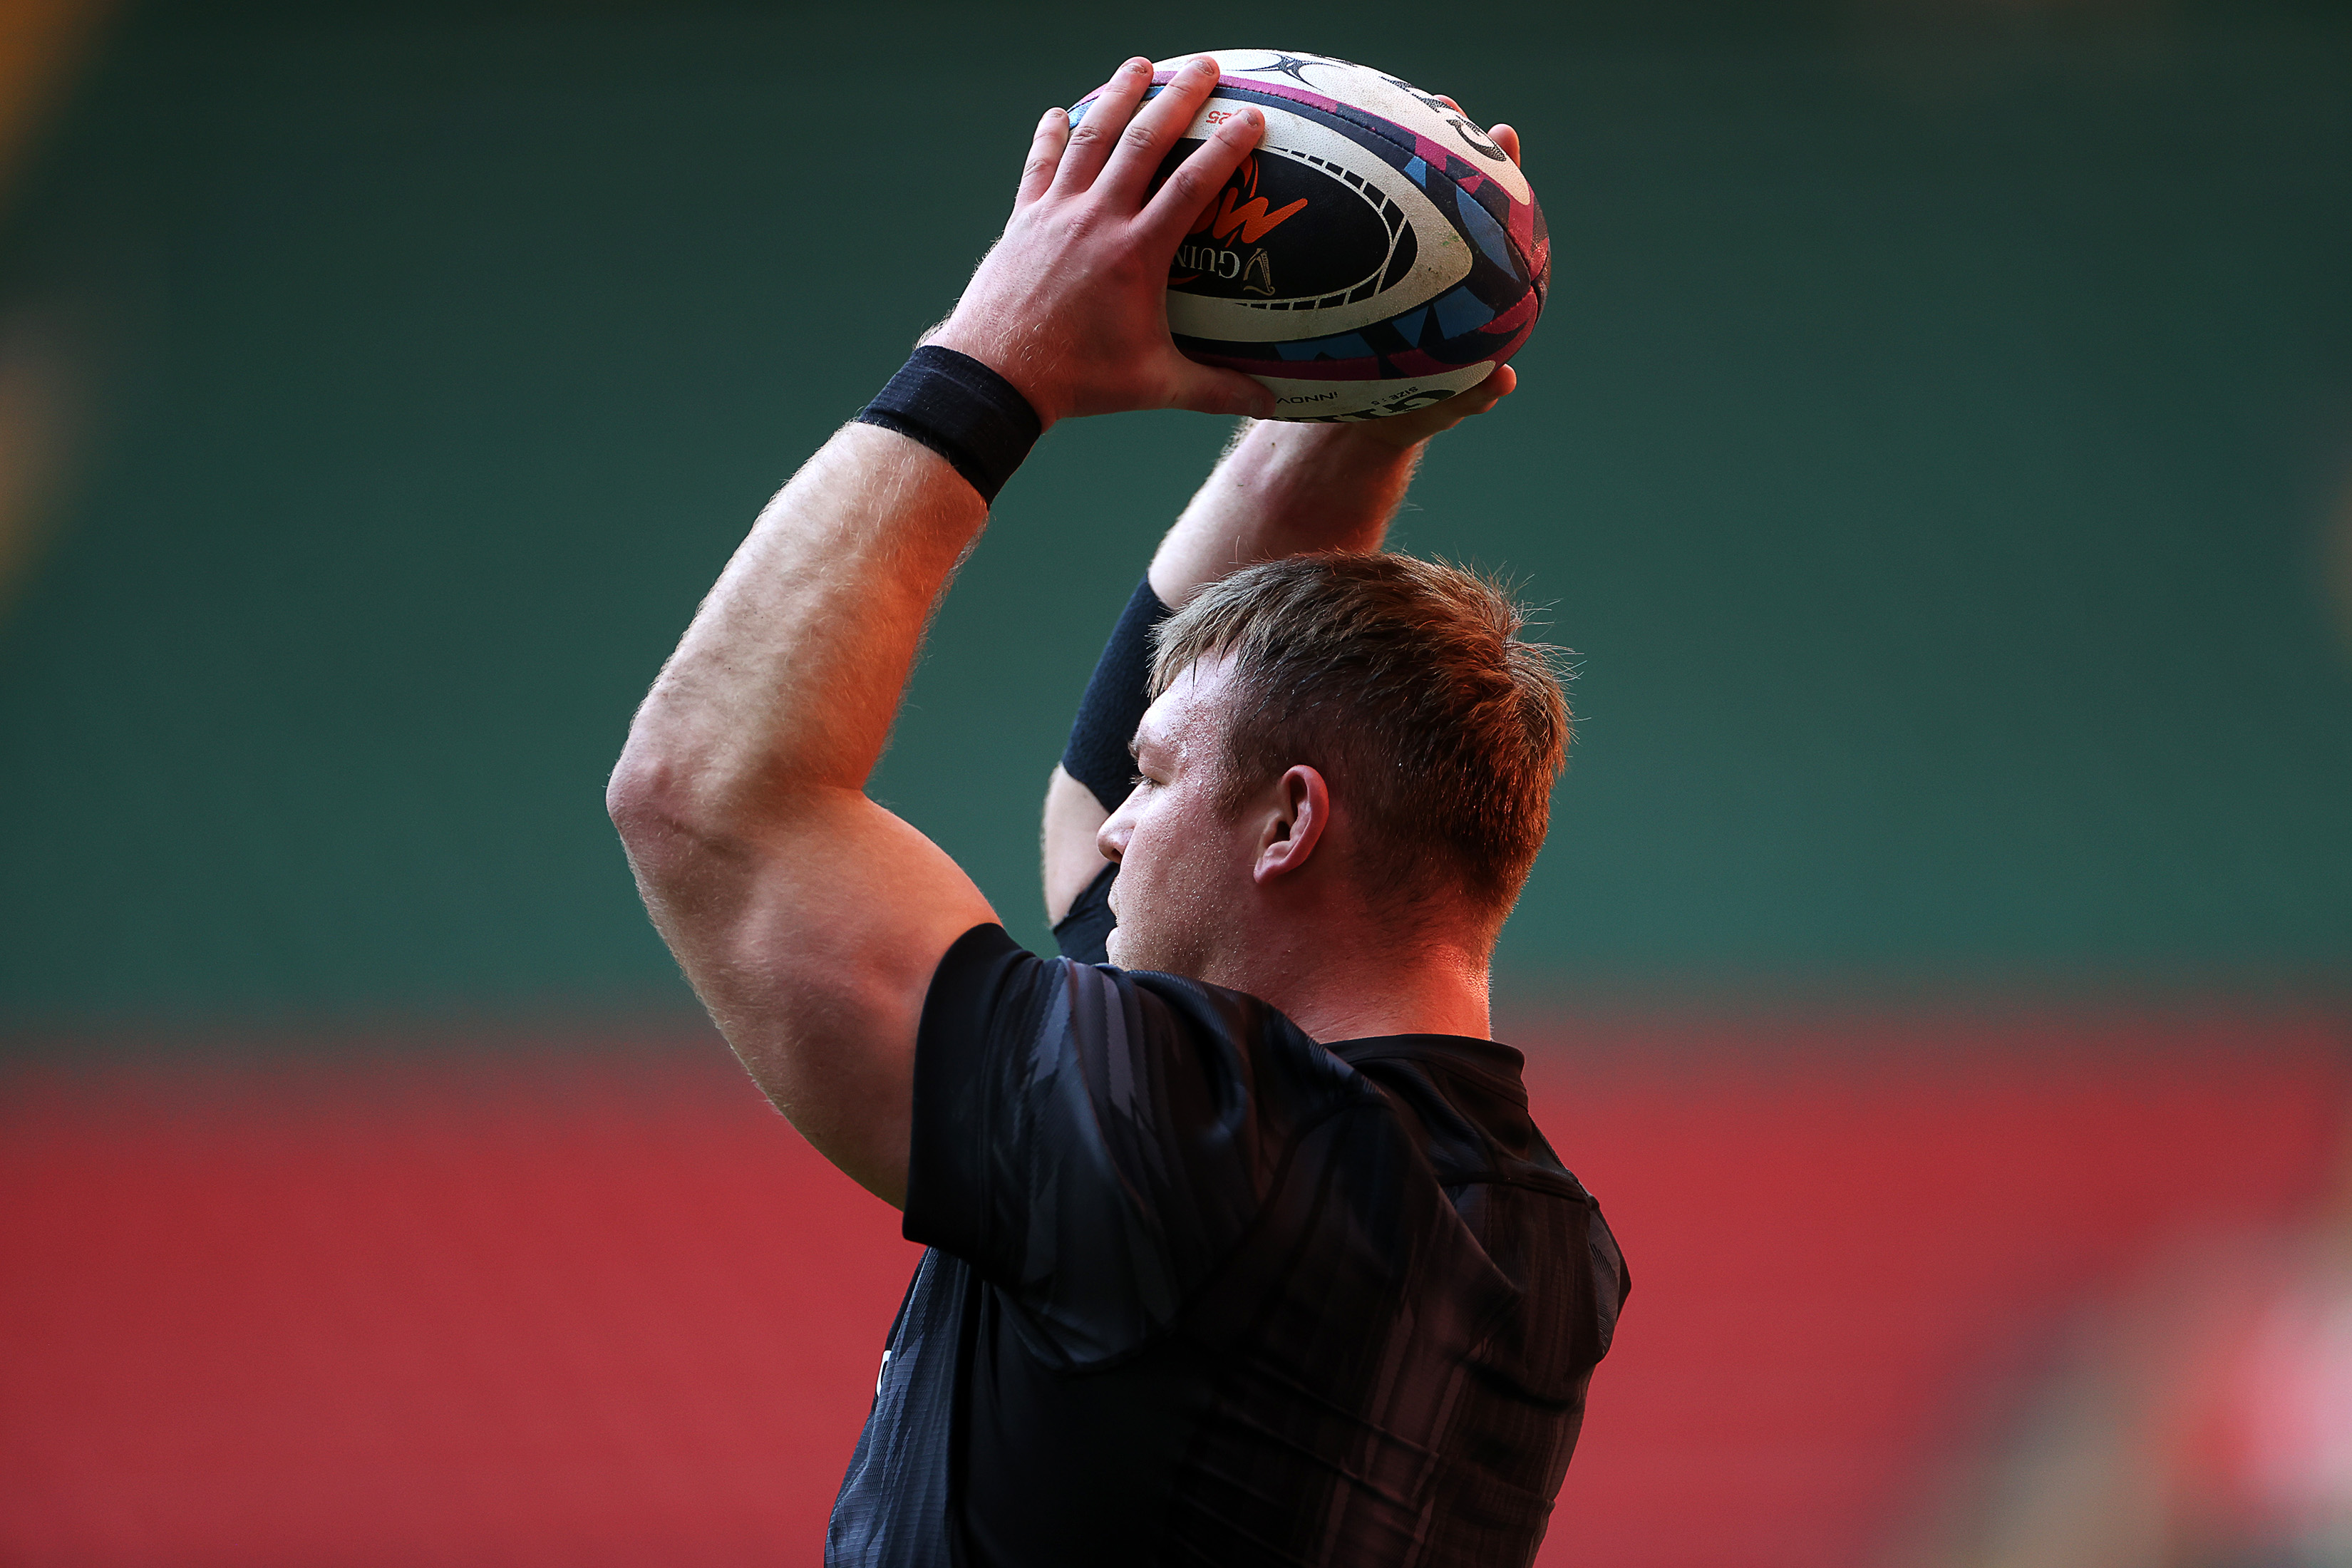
x: 1404, y: 431
x: 1408, y: 430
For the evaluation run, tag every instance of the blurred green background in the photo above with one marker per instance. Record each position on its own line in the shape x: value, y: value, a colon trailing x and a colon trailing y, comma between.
x: 1937, y: 448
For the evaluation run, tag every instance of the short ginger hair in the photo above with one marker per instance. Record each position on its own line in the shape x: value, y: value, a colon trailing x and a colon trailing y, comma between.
x: 1406, y: 683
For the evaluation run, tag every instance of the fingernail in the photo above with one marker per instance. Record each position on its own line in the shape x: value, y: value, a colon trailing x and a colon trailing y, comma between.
x: 1201, y: 67
x: 1139, y: 64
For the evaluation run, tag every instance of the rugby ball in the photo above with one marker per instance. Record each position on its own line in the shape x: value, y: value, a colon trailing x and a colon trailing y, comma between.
x: 1375, y: 254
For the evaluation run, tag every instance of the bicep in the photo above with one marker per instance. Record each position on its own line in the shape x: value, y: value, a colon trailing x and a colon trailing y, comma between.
x: 813, y: 946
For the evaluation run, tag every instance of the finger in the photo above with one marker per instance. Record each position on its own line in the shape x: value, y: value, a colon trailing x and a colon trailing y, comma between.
x: 1159, y: 125
x: 1044, y: 157
x: 1507, y: 138
x: 1206, y: 389
x: 1172, y: 211
x: 1498, y: 385
x: 1090, y: 144
x: 1471, y: 402
x: 1447, y: 99
x: 1406, y: 430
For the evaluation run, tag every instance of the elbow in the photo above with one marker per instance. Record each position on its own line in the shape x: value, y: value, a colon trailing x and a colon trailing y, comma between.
x: 647, y: 799
x: 638, y: 781
x: 681, y: 807
x: 631, y: 795
x: 679, y: 814
x: 643, y: 779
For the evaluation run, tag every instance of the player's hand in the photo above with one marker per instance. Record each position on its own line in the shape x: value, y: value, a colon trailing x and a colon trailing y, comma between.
x: 1501, y: 135
x: 1405, y: 431
x: 1071, y: 304
x: 1408, y: 430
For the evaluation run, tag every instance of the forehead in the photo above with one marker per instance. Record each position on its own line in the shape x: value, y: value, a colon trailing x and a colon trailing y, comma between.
x: 1187, y: 710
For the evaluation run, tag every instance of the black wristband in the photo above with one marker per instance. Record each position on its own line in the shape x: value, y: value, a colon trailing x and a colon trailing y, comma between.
x: 964, y: 411
x: 1113, y: 706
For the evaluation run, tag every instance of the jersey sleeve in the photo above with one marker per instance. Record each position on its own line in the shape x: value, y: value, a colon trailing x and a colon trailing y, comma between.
x: 1092, y: 1141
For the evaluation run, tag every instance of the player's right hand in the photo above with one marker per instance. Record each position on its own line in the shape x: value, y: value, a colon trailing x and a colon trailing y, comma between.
x: 1070, y: 305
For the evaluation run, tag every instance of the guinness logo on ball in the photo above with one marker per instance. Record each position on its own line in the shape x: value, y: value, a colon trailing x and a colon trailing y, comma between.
x: 1283, y: 226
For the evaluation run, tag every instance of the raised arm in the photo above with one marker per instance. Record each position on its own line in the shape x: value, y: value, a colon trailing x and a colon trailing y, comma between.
x: 809, y: 918
x: 1279, y: 490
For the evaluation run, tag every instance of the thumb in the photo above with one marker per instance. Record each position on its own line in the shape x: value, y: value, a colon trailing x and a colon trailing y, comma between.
x: 1206, y: 389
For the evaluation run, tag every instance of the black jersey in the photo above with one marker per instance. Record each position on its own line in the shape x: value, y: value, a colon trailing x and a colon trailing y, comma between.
x: 1202, y: 1291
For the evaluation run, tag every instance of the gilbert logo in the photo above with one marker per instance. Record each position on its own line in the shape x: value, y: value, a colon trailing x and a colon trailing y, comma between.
x: 1238, y: 216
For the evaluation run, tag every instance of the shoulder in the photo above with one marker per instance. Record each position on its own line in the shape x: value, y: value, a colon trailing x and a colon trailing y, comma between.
x: 1198, y: 1061
x: 992, y: 993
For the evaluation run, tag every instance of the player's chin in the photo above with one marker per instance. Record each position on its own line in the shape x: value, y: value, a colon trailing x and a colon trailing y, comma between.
x: 1133, y: 947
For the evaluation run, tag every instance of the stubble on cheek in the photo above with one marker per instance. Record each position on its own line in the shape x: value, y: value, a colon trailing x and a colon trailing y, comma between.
x: 1131, y: 944
x: 1170, y: 929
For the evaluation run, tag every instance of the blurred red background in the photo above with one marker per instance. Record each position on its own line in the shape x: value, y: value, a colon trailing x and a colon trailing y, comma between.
x: 536, y: 1308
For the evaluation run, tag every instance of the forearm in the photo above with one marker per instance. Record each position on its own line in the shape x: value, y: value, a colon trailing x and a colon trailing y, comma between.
x: 1284, y: 490
x: 792, y: 671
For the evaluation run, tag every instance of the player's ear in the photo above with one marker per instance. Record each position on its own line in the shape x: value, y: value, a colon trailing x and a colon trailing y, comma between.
x: 1297, y: 812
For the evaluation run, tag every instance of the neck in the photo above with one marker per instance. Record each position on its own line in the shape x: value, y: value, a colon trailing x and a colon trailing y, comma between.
x: 1378, y: 989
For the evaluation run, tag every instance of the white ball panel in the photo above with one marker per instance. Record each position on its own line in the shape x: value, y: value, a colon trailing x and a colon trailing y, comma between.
x: 1368, y: 89
x: 1300, y: 401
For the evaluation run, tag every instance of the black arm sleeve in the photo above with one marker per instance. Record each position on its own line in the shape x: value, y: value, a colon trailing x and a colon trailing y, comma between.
x: 1098, y: 754
x: 1084, y: 934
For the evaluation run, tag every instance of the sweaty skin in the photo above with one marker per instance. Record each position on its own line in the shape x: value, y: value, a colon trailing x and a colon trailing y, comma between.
x: 809, y: 918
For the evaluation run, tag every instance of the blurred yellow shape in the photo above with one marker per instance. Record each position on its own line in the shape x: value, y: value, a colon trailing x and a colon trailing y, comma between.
x: 34, y: 417
x: 40, y: 43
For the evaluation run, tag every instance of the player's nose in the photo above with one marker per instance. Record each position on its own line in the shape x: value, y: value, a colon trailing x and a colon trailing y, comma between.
x: 1110, y: 839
